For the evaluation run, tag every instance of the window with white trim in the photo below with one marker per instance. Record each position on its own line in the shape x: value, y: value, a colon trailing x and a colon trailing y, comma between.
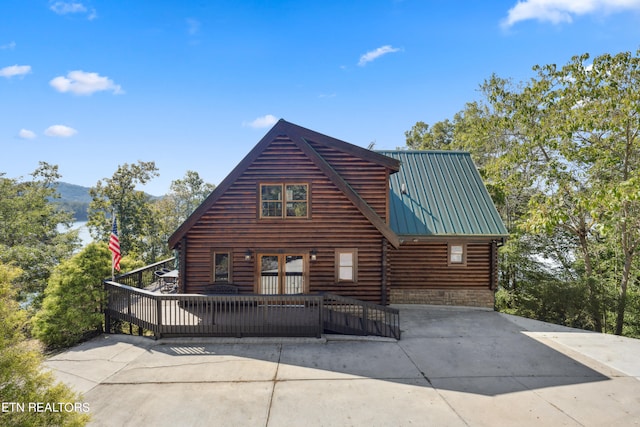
x: 457, y: 254
x: 346, y: 265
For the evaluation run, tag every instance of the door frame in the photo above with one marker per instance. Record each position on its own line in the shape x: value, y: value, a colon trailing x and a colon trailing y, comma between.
x: 281, y: 254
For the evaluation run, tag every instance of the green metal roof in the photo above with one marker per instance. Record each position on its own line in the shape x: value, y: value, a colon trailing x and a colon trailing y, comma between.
x: 440, y: 193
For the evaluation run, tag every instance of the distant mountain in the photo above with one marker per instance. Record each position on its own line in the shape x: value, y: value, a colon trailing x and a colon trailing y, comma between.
x: 75, y: 199
x: 73, y: 193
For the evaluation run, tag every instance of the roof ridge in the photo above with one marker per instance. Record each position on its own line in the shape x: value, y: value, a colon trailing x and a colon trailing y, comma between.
x: 425, y: 151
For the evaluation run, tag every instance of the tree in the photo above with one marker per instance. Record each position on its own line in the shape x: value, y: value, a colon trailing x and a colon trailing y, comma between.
x: 438, y: 137
x: 188, y: 194
x: 173, y: 209
x: 29, y: 222
x: 605, y: 128
x: 561, y: 157
x: 22, y: 379
x: 74, y: 300
x: 118, y: 195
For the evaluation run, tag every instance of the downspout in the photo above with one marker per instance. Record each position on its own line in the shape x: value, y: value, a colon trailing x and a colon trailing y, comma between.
x: 493, y: 280
x: 493, y: 271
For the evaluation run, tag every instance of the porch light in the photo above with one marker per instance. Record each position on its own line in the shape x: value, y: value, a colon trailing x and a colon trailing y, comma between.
x: 247, y: 255
x: 314, y: 254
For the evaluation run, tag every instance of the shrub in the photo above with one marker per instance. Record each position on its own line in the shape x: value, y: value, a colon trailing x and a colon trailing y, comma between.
x: 22, y: 379
x: 74, y: 298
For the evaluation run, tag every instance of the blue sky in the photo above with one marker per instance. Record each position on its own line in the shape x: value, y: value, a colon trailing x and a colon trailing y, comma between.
x: 193, y: 85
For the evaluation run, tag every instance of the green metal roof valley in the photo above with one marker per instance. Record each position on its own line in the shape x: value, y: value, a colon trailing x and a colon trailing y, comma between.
x: 443, y: 196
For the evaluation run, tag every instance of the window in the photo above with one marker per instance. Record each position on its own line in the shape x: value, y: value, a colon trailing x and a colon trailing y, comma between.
x: 346, y: 265
x: 221, y: 272
x: 271, y: 200
x: 284, y: 200
x: 296, y: 197
x: 457, y: 254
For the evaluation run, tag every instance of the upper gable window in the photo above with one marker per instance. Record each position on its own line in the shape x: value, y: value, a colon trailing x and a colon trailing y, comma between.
x: 284, y: 200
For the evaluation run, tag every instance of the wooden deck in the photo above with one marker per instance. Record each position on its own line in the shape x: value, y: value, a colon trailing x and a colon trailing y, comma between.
x: 139, y: 298
x: 247, y: 315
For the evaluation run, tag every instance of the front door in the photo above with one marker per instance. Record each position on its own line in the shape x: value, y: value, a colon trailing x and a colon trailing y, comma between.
x: 282, y: 273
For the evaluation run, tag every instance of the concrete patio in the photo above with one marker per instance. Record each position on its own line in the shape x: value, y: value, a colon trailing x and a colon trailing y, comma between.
x: 453, y: 366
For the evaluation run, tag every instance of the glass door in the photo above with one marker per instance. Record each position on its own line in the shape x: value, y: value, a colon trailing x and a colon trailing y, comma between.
x: 282, y: 273
x: 293, y: 274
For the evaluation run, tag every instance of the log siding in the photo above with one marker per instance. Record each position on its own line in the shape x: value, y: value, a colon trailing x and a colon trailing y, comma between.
x: 333, y: 223
x: 352, y: 204
x: 420, y: 272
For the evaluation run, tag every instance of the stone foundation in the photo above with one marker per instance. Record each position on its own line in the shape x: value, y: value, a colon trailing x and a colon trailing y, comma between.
x: 462, y: 297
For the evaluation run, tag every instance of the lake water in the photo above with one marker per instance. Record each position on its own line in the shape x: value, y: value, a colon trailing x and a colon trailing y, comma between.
x: 83, y: 231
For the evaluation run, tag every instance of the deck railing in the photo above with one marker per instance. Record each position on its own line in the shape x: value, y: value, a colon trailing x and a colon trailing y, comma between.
x: 247, y: 315
x: 215, y: 315
x: 145, y: 276
x: 354, y: 317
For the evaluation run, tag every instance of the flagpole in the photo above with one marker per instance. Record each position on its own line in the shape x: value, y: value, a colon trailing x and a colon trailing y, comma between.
x: 114, y: 247
x: 113, y: 257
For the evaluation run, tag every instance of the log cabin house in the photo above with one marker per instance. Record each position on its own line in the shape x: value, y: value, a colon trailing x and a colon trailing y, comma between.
x: 304, y: 212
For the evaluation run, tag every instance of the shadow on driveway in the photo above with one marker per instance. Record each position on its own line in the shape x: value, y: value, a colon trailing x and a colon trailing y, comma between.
x: 453, y: 366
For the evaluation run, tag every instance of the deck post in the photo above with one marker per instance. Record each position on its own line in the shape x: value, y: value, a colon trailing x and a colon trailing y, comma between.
x: 159, y: 314
x: 107, y: 321
x: 365, y: 320
x: 107, y: 316
x: 320, y: 318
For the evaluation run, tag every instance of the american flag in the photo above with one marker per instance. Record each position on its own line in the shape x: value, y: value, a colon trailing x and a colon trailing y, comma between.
x: 114, y: 246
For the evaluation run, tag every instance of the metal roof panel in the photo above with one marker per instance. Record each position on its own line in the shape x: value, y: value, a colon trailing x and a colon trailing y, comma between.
x: 443, y: 196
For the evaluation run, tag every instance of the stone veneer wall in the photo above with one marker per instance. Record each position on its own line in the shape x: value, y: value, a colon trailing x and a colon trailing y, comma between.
x: 462, y: 297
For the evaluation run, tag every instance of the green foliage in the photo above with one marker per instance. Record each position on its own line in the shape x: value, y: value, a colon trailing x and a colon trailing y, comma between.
x: 22, y: 379
x: 561, y: 157
x: 29, y: 228
x: 172, y: 210
x: 118, y: 195
x: 74, y: 299
x: 549, y: 300
x: 144, y: 224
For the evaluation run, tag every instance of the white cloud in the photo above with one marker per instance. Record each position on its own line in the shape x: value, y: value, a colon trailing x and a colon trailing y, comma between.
x: 60, y: 131
x: 8, y: 46
x: 15, y: 70
x: 26, y: 134
x: 558, y: 11
x: 64, y: 8
x: 375, y: 54
x: 82, y: 83
x: 262, y: 122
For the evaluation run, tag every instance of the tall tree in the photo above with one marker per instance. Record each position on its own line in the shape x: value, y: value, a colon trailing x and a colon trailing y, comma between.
x: 172, y: 210
x: 30, y: 237
x: 188, y: 193
x: 118, y: 195
x: 563, y: 151
x: 604, y: 121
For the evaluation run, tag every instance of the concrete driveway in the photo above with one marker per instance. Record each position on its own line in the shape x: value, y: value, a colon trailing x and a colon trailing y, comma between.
x: 453, y: 367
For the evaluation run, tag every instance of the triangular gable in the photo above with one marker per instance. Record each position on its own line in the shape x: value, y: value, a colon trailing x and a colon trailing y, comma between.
x: 300, y: 136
